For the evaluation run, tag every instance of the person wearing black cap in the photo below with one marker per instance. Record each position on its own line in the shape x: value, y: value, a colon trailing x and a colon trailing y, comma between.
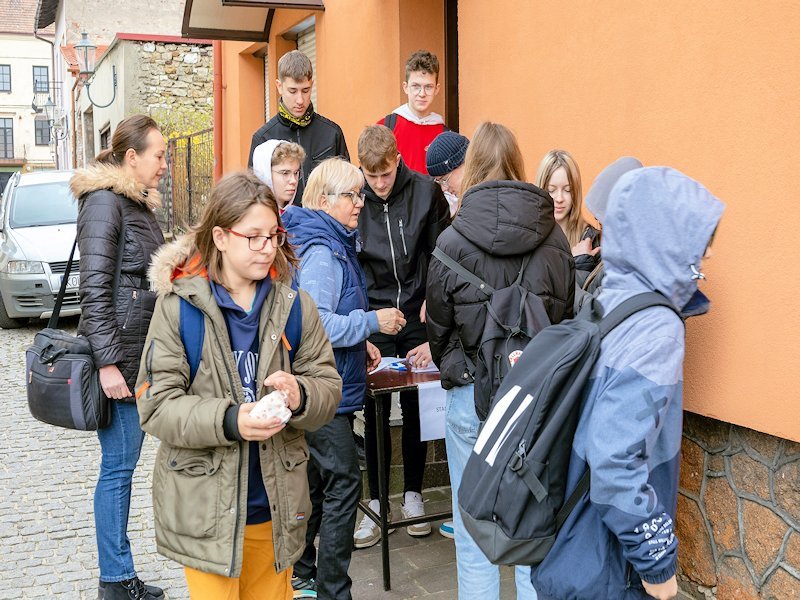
x: 445, y: 162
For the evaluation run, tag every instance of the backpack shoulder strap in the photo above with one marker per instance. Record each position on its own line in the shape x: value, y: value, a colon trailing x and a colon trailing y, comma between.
x: 466, y: 274
x: 630, y: 307
x: 192, y: 329
x: 524, y: 264
x: 390, y: 121
x: 572, y: 501
x: 294, y: 324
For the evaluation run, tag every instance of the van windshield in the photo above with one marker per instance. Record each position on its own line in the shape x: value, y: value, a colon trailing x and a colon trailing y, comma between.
x: 43, y: 204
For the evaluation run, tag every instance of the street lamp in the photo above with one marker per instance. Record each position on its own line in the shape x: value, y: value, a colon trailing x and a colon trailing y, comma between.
x: 55, y: 121
x: 85, y: 51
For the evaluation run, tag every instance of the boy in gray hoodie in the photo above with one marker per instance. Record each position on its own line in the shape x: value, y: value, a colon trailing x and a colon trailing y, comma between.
x: 619, y: 542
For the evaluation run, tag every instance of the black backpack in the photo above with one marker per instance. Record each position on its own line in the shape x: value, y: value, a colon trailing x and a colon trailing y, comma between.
x: 513, y: 316
x: 512, y: 491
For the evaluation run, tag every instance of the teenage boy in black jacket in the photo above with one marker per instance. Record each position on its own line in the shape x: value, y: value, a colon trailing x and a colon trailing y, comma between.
x: 403, y: 215
x: 297, y: 122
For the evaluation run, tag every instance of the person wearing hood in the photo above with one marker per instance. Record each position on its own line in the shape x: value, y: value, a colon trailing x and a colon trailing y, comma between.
x: 116, y: 197
x: 619, y: 541
x: 325, y: 234
x: 445, y: 161
x: 404, y: 212
x: 414, y: 123
x: 501, y: 222
x: 297, y: 121
x: 279, y: 163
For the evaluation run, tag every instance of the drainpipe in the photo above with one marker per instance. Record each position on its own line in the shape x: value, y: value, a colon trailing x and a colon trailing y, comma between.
x: 217, y: 50
x: 52, y: 69
x: 74, y: 132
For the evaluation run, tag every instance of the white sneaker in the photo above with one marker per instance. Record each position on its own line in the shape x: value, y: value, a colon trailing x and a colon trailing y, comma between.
x: 368, y: 532
x: 412, y: 507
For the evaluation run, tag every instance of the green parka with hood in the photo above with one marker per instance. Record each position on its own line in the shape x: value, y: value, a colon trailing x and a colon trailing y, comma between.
x: 200, y: 476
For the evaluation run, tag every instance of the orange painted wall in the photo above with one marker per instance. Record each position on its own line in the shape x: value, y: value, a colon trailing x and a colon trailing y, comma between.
x: 711, y: 88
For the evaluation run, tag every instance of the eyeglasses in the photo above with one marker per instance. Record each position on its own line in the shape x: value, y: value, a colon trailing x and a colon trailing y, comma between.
x: 442, y: 181
x: 257, y: 243
x: 357, y: 198
x: 417, y: 89
x: 287, y: 174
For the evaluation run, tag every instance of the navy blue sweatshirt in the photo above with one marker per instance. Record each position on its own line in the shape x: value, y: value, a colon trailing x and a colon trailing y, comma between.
x: 243, y: 333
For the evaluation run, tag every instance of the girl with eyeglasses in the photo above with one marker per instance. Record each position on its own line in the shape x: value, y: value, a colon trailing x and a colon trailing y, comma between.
x: 325, y: 233
x: 230, y: 490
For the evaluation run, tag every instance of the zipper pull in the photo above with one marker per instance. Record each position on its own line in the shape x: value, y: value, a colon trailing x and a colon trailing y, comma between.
x: 134, y: 294
x: 521, y: 452
x: 30, y: 376
x: 386, y: 213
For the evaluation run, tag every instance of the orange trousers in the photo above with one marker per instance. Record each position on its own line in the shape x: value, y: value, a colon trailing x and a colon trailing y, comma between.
x: 258, y: 581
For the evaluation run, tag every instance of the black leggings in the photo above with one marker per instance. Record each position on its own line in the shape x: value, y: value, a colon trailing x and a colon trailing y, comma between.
x: 414, y: 451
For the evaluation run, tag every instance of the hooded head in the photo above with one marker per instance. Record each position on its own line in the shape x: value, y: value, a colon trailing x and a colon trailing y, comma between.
x: 278, y: 163
x: 656, y: 229
x: 597, y: 198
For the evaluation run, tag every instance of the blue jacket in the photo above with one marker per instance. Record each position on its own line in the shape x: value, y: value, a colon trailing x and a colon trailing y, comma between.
x: 332, y: 276
x: 657, y: 227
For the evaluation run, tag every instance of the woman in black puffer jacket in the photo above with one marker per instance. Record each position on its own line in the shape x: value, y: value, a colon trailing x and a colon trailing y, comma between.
x: 116, y: 198
x: 500, y: 221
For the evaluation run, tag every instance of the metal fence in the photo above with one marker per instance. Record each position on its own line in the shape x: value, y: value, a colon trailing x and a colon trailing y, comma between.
x: 187, y: 183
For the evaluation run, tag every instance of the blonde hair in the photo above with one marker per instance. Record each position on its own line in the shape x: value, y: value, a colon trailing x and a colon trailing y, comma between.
x: 331, y: 177
x: 552, y: 161
x: 296, y: 65
x: 377, y: 148
x: 288, y: 151
x: 492, y: 154
x: 230, y: 199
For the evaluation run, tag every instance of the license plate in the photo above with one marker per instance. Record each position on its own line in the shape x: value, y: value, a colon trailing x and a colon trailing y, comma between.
x: 73, y: 281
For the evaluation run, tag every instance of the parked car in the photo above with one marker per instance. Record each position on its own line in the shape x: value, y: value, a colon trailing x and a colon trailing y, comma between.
x: 37, y: 229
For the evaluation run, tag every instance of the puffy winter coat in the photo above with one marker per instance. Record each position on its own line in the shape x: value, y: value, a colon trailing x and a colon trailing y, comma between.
x: 398, y: 235
x: 200, y: 476
x: 313, y: 228
x: 111, y: 205
x: 321, y: 139
x: 499, y: 223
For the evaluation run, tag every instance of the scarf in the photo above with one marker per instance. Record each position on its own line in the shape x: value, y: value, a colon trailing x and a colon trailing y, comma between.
x: 303, y: 121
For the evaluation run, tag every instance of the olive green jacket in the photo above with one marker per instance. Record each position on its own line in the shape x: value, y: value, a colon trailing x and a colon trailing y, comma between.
x: 200, y: 477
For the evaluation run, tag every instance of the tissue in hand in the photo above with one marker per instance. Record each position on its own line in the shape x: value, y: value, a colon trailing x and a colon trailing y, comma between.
x: 272, y: 405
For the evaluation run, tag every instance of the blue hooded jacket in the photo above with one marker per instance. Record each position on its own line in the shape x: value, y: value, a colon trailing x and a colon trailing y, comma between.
x: 658, y: 225
x: 332, y: 276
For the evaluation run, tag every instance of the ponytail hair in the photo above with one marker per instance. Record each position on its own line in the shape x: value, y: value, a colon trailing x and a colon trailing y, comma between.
x: 129, y: 133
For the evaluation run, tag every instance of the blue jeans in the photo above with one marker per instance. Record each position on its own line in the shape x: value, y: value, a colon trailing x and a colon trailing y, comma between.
x: 120, y: 443
x: 478, y: 579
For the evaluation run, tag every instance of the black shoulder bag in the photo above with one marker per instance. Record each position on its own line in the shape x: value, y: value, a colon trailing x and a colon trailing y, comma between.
x: 62, y: 382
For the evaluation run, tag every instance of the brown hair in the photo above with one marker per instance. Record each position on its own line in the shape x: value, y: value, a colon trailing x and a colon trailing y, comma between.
x: 422, y: 61
x: 230, y: 199
x: 296, y: 65
x: 129, y: 133
x: 287, y: 151
x: 377, y: 148
x: 552, y: 161
x: 492, y: 154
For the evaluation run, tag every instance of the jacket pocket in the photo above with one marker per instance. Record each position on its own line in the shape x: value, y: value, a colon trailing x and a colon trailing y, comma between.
x: 294, y: 458
x: 322, y: 154
x: 188, y: 495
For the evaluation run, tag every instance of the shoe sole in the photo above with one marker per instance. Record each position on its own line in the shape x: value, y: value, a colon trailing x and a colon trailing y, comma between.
x: 304, y: 594
x: 447, y: 534
x: 422, y: 533
x: 360, y: 545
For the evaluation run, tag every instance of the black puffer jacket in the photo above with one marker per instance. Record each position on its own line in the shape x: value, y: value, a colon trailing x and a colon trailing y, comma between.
x: 116, y: 327
x: 321, y: 139
x: 397, y: 236
x: 498, y: 224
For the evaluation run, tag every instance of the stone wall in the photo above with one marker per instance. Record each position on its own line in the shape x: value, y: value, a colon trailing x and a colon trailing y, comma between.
x: 175, y: 82
x: 738, y: 516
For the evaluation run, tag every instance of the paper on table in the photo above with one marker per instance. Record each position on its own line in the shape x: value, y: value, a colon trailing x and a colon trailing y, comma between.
x: 392, y: 362
x: 431, y: 410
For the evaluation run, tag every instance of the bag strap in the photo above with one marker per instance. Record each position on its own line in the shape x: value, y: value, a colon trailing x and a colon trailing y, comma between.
x: 630, y: 307
x: 572, y: 501
x: 53, y: 322
x: 592, y: 276
x: 390, y: 121
x: 524, y: 264
x: 466, y: 274
x: 192, y: 329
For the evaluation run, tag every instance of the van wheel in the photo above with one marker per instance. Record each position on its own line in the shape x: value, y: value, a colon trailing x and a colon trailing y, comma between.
x: 7, y: 322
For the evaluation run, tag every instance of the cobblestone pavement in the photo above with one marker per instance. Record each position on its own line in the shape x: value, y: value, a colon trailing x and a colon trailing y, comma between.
x: 47, y: 479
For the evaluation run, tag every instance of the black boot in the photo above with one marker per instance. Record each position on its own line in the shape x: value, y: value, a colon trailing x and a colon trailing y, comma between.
x: 130, y: 589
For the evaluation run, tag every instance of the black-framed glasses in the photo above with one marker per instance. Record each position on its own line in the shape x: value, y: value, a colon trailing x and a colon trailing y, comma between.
x: 357, y: 198
x: 257, y: 243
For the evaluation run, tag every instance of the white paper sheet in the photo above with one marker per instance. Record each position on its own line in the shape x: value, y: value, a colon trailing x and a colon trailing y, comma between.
x: 431, y: 410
